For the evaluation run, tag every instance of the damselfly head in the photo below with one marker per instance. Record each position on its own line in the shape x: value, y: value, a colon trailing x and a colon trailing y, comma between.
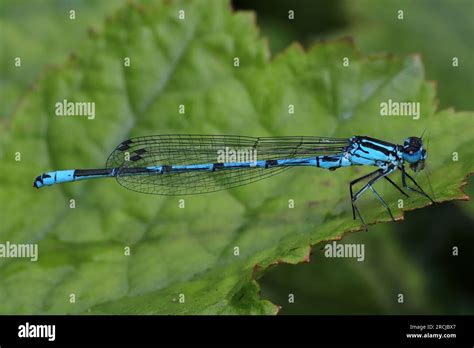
x: 414, y: 153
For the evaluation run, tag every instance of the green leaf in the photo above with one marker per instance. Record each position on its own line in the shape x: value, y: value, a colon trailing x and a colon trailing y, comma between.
x: 184, y: 260
x: 43, y: 24
x: 376, y: 27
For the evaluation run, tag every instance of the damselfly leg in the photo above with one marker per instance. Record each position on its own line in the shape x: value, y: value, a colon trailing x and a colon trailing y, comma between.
x: 405, y: 185
x: 396, y: 186
x: 353, y: 182
x: 381, y: 174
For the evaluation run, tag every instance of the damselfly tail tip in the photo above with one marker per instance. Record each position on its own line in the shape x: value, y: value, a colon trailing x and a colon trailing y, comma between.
x: 38, y: 182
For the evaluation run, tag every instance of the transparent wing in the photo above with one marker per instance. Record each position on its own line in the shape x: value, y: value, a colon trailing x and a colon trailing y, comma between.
x: 173, y: 150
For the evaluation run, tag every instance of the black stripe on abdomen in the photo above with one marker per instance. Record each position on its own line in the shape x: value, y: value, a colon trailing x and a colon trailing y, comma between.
x: 90, y: 172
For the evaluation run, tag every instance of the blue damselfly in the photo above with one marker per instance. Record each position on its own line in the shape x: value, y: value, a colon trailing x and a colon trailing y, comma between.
x: 194, y: 164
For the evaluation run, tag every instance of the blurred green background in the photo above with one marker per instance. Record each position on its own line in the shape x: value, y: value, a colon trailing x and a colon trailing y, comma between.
x: 413, y: 257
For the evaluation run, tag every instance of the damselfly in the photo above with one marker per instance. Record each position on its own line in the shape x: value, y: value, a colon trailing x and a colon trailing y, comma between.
x: 193, y: 164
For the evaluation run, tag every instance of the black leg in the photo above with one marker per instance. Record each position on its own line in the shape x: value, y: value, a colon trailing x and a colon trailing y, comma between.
x: 361, y: 191
x: 357, y: 195
x: 383, y: 202
x: 360, y: 216
x: 369, y: 185
x: 353, y: 182
x: 419, y: 190
x: 396, y: 186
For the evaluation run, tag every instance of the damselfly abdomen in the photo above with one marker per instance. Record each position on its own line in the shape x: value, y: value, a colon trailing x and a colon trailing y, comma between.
x: 194, y: 164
